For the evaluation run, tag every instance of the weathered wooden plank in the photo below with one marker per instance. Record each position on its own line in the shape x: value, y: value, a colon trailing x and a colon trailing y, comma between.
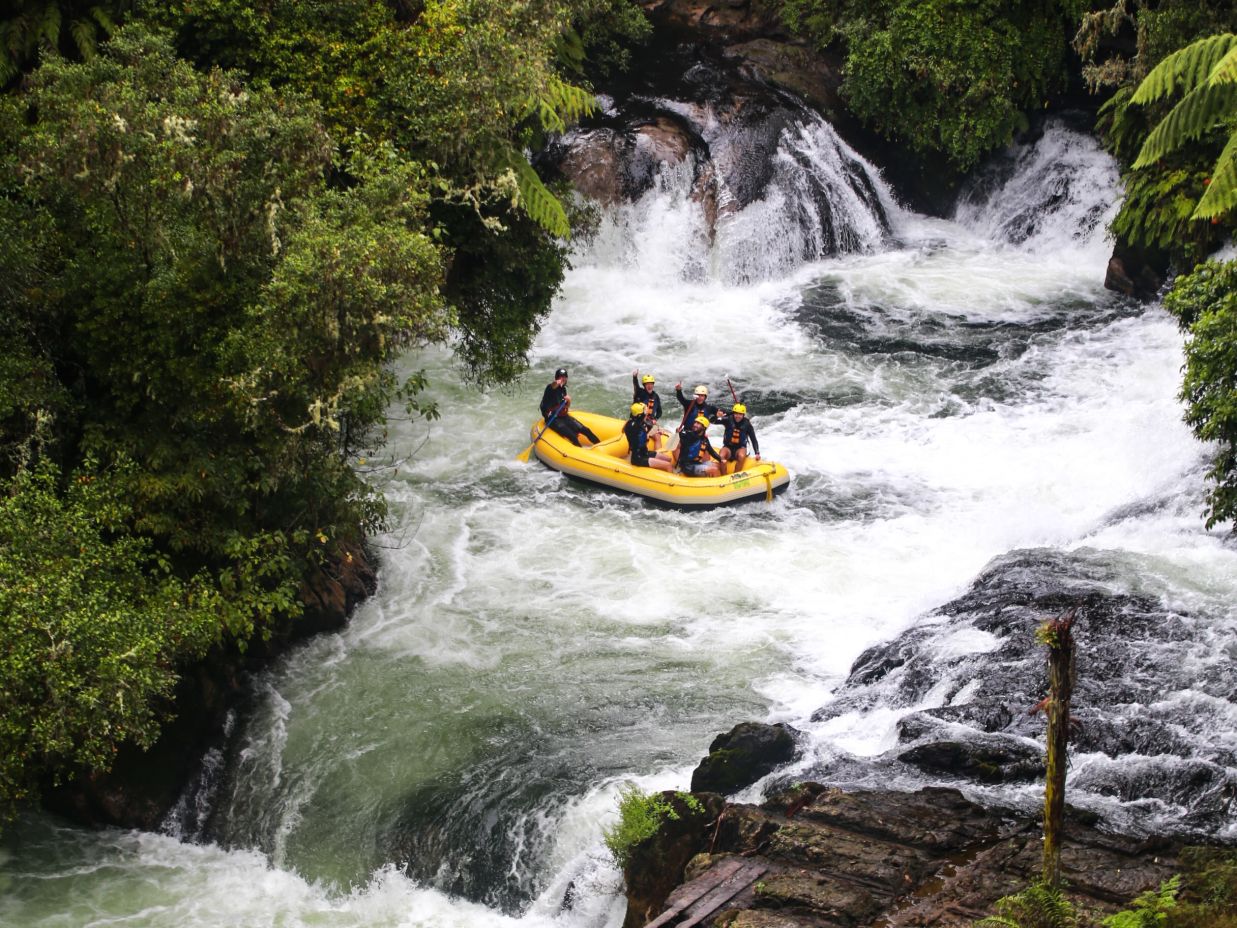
x: 693, y: 891
x: 725, y: 891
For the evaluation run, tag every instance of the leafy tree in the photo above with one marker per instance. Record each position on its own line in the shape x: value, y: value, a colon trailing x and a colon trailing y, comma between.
x: 197, y: 333
x: 461, y: 87
x: 944, y: 76
x: 264, y: 304
x: 1205, y: 304
x: 93, y: 623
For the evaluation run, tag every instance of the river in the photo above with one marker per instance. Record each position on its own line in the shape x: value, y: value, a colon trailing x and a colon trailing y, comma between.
x: 944, y: 392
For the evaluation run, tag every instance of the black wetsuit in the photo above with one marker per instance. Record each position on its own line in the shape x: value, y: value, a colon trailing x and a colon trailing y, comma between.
x: 694, y: 447
x: 738, y: 434
x: 650, y: 399
x: 706, y: 409
x: 563, y: 423
x: 636, y: 431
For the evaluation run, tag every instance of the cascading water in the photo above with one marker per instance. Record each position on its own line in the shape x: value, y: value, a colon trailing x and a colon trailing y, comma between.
x: 944, y: 393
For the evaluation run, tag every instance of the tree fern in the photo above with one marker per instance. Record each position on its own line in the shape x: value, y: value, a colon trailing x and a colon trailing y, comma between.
x: 1205, y: 108
x: 1207, y: 71
x: 49, y: 25
x: 1221, y: 195
x: 560, y: 104
x: 1185, y: 68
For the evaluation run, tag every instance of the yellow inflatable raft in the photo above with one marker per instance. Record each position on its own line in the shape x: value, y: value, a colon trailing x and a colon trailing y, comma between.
x: 607, y: 463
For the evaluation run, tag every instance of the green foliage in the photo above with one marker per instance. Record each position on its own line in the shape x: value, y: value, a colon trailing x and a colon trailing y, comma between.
x: 943, y: 76
x: 190, y: 303
x: 1150, y: 909
x: 1159, y: 28
x: 1206, y: 71
x: 641, y: 814
x: 606, y: 32
x: 32, y: 28
x: 1037, y: 906
x: 92, y: 623
x: 1205, y: 303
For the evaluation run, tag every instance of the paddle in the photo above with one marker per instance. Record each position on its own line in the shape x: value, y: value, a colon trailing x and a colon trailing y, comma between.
x: 733, y: 395
x: 523, y: 455
x: 674, y: 439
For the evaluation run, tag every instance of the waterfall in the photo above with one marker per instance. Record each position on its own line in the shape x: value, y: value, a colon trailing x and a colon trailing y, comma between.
x: 815, y: 197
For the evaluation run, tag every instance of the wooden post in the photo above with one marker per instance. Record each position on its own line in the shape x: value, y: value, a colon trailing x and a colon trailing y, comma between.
x: 1058, y: 637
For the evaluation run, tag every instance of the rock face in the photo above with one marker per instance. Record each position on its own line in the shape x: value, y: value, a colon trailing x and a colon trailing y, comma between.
x: 143, y: 787
x: 968, y: 676
x: 743, y: 755
x: 931, y: 858
x: 714, y: 105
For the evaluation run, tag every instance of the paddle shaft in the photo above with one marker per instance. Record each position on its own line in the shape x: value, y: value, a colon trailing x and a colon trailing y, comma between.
x: 523, y: 456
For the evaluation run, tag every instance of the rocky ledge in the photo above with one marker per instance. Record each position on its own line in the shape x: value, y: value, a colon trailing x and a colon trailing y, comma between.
x: 820, y: 857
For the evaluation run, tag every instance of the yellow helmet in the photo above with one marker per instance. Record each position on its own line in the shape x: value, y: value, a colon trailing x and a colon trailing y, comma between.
x: 637, y: 409
x: 739, y: 408
x: 701, y: 390
x: 647, y: 378
x: 702, y: 420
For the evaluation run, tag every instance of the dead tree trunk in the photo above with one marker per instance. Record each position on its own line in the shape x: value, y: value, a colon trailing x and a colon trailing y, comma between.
x: 1057, y: 635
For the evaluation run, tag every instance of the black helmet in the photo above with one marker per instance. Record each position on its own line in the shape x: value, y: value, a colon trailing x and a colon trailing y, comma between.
x: 561, y: 372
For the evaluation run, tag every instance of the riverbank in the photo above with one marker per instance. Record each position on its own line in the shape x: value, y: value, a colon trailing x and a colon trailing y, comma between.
x: 154, y: 788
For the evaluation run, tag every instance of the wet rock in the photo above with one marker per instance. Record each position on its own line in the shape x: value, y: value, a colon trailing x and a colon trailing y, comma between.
x: 1152, y: 695
x: 743, y: 755
x: 656, y: 865
x: 997, y: 760
x: 1126, y: 275
x: 820, y: 856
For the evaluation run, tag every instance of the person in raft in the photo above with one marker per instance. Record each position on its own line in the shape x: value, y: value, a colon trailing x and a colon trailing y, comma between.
x: 637, y: 430
x: 738, y: 432
x: 698, y: 405
x: 694, y: 449
x: 642, y: 392
x: 555, y: 400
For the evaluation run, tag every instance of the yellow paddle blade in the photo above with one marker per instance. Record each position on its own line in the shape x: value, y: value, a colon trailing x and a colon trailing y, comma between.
x: 523, y: 455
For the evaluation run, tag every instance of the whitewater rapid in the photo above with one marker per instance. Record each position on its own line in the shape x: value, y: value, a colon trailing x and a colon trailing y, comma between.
x: 944, y: 393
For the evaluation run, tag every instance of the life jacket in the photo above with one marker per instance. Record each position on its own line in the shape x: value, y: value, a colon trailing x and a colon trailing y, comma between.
x: 693, y: 448
x: 736, y: 433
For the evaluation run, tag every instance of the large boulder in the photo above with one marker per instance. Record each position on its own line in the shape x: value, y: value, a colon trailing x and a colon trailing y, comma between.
x: 743, y: 755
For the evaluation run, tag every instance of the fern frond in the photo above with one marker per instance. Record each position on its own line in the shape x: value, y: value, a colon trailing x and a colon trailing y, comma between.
x: 104, y: 19
x: 1186, y: 68
x: 1221, y: 195
x: 83, y: 33
x: 1225, y: 71
x: 1199, y: 111
x: 559, y: 104
x: 541, y: 206
x: 49, y: 25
